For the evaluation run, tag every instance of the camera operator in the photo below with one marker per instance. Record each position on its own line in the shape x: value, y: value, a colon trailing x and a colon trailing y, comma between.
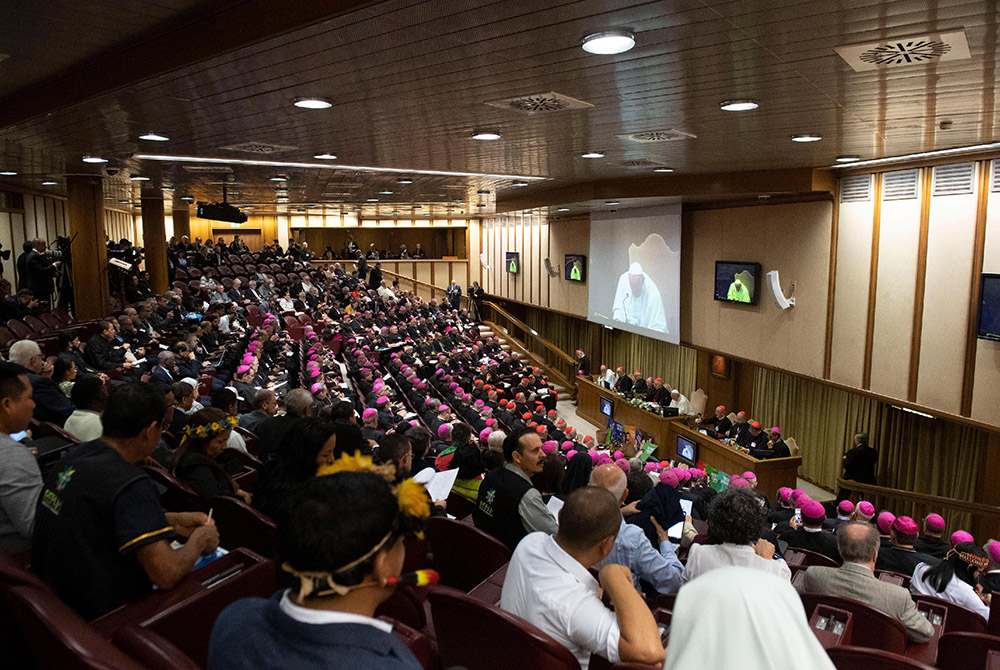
x: 40, y: 270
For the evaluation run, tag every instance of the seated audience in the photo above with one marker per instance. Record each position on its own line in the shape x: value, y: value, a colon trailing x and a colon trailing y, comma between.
x: 298, y: 405
x: 227, y: 400
x: 51, y: 404
x: 742, y: 618
x: 735, y: 521
x: 900, y: 556
x: 858, y: 545
x: 493, y: 456
x: 20, y: 479
x: 420, y: 442
x: 549, y: 585
x: 395, y: 449
x: 508, y: 506
x: 64, y: 374
x: 195, y: 462
x: 89, y: 396
x: 309, y: 445
x: 990, y: 578
x: 265, y: 406
x: 930, y: 542
x: 341, y: 541
x: 661, y: 569
x: 101, y: 353
x: 469, y: 463
x: 101, y: 539
x: 810, y: 535
x: 183, y: 404
x: 955, y: 578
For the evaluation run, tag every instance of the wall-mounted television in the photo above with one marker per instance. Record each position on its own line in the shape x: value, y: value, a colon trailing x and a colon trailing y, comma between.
x: 607, y: 407
x: 687, y: 450
x: 513, y: 262
x: 575, y: 266
x: 737, y: 282
x: 989, y: 307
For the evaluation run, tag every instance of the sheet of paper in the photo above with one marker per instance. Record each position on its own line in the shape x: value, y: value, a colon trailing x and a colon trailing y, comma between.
x: 440, y: 486
x: 424, y: 476
x: 554, y: 505
x: 675, y: 531
x: 686, y: 506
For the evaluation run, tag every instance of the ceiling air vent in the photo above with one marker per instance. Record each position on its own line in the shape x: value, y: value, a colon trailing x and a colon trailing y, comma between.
x: 640, y: 163
x: 905, y: 51
x: 651, y: 136
x: 856, y: 189
x: 996, y: 177
x: 208, y: 169
x: 258, y: 148
x: 900, y: 185
x: 953, y: 179
x: 540, y: 103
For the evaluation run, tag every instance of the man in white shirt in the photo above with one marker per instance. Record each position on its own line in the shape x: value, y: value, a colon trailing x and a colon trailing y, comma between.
x: 638, y: 302
x: 89, y: 396
x: 548, y: 585
x: 735, y: 520
x: 20, y: 479
x: 683, y: 405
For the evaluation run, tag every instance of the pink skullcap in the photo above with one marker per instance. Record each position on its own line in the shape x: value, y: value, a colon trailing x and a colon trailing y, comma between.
x: 669, y: 477
x: 369, y: 413
x: 935, y: 521
x: 796, y: 494
x: 314, y: 373
x: 784, y: 493
x: 885, y: 521
x: 466, y: 396
x: 623, y: 464
x: 479, y: 403
x: 749, y: 475
x: 567, y: 445
x: 618, y: 455
x: 994, y: 551
x: 382, y: 401
x: 813, y: 511
x: 571, y: 453
x: 776, y: 430
x: 484, y: 434
x: 696, y: 473
x: 596, y: 457
x: 606, y: 459
x: 905, y: 525
x: 490, y: 423
x: 846, y: 506
x: 317, y: 386
x: 378, y: 383
x: 443, y: 409
x: 443, y: 430
x: 413, y: 422
x: 651, y: 467
x: 247, y: 359
x: 243, y: 368
x: 438, y: 373
x: 452, y: 385
x: 313, y: 357
x: 428, y: 401
x: 866, y: 509
x: 960, y: 536
x: 549, y: 446
x: 736, y: 482
x: 687, y: 475
x: 421, y: 385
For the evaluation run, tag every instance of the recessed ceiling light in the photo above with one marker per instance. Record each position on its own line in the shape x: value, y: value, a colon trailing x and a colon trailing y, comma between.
x: 607, y: 42
x: 486, y: 135
x: 123, y: 202
x: 395, y: 211
x: 138, y: 177
x: 187, y: 198
x: 372, y: 199
x: 154, y: 137
x: 847, y: 158
x: 326, y: 156
x: 50, y: 183
x: 404, y: 180
x: 739, y: 105
x: 385, y: 192
x: 806, y: 137
x: 8, y: 173
x: 593, y: 154
x: 167, y: 189
x: 313, y: 103
x: 612, y: 202
x: 663, y: 169
x: 279, y: 177
x: 249, y: 207
x: 520, y: 183
x: 94, y: 159
x: 563, y: 209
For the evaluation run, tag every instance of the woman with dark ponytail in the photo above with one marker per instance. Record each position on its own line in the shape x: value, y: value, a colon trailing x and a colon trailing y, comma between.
x: 955, y: 579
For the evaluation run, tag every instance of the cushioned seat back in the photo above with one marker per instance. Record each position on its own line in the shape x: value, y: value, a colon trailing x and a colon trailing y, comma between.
x: 871, y: 628
x: 960, y: 619
x: 863, y: 658
x: 177, y: 496
x: 464, y: 555
x: 152, y: 650
x: 965, y: 651
x: 806, y: 558
x: 242, y: 526
x: 512, y: 643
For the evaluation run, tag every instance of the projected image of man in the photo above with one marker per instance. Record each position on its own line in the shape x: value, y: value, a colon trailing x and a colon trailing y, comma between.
x: 738, y: 291
x: 637, y: 301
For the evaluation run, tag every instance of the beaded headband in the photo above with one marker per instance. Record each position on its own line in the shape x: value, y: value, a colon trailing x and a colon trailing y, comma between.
x: 971, y: 559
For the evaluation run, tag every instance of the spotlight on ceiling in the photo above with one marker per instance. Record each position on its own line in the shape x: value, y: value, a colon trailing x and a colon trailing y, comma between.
x: 486, y: 135
x: 154, y: 137
x: 850, y: 158
x: 609, y: 42
x: 279, y: 177
x: 312, y: 103
x: 326, y: 156
x: 49, y: 182
x: 739, y: 105
x: 593, y: 154
x: 404, y: 180
x: 663, y: 169
x: 806, y: 137
x: 138, y: 177
x: 94, y: 159
x: 7, y: 173
x: 520, y: 184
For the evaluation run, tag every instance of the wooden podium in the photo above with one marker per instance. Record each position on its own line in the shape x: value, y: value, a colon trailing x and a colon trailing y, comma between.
x: 588, y: 395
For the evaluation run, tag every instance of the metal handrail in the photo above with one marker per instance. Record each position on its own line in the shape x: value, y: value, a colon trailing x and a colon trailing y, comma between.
x: 531, y: 332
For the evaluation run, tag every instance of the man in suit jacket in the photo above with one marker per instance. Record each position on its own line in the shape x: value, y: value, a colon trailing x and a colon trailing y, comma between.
x: 901, y: 556
x: 811, y: 535
x: 165, y: 372
x: 858, y: 543
x: 40, y: 271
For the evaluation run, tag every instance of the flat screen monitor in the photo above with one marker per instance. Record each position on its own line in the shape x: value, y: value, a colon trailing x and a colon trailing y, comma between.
x: 989, y: 307
x: 687, y: 450
x: 513, y: 262
x: 575, y: 267
x: 737, y: 282
x: 607, y: 407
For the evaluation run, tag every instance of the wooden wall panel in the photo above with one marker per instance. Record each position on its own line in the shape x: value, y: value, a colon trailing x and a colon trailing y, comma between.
x: 950, y: 241
x: 7, y: 240
x: 475, y: 248
x: 854, y: 242
x: 985, y: 407
x: 899, y: 229
x: 424, y: 272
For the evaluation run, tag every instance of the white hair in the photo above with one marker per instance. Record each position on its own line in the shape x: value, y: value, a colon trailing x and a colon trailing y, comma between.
x: 495, y: 441
x: 22, y: 351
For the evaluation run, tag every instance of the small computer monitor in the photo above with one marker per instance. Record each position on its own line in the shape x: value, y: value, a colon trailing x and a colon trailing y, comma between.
x: 687, y: 450
x: 607, y: 407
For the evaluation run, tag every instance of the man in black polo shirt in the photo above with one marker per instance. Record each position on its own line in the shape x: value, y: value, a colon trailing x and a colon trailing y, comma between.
x: 811, y: 535
x: 509, y: 507
x: 101, y: 538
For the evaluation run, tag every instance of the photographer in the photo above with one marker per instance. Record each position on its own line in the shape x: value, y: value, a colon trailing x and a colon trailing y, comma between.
x: 40, y: 270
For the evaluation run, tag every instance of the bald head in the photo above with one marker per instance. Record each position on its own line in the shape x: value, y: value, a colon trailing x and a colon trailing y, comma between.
x: 612, y: 478
x: 857, y: 542
x: 590, y: 516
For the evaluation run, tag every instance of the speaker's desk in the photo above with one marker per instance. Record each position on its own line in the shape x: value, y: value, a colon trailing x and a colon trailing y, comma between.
x: 588, y: 397
x: 772, y: 473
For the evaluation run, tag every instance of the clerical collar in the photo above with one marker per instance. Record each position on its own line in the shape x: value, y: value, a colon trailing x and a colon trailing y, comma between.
x: 809, y: 529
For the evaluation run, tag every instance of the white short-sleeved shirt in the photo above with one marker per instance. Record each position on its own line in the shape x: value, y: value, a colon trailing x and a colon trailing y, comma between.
x: 551, y: 590
x: 703, y: 558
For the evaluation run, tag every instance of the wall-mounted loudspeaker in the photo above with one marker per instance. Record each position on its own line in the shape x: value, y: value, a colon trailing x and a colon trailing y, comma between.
x: 774, y: 283
x: 551, y: 270
x: 482, y: 260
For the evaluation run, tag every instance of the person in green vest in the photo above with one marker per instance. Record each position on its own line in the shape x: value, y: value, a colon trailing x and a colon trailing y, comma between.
x: 738, y: 292
x: 575, y: 272
x: 513, y: 266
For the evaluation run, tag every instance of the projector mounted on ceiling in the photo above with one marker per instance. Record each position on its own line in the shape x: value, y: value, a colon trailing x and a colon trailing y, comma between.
x: 221, y: 211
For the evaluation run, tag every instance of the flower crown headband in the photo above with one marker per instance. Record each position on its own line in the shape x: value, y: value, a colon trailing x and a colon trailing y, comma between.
x: 414, y: 505
x: 211, y: 429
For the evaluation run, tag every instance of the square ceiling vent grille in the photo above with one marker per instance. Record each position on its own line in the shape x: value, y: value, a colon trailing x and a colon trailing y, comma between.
x: 653, y: 136
x: 540, y: 103
x: 906, y: 51
x: 261, y: 148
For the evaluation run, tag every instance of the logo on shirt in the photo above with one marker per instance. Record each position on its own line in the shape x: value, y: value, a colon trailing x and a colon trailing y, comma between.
x: 64, y: 478
x: 486, y: 504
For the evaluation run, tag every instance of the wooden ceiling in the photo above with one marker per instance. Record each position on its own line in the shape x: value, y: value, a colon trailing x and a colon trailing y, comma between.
x: 410, y: 80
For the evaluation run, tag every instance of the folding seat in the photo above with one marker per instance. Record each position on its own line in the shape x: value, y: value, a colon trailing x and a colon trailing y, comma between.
x: 251, y: 440
x: 227, y: 283
x: 194, y: 286
x: 967, y: 651
x: 151, y: 650
x: 224, y: 271
x: 250, y: 268
x: 242, y: 526
x: 305, y: 319
x: 871, y: 628
x: 237, y: 269
x: 180, y: 273
x: 864, y: 658
x: 232, y: 258
x: 459, y: 506
x: 21, y: 330
x: 459, y: 622
x: 281, y: 279
x: 291, y: 322
x: 804, y: 558
x: 51, y: 320
x: 62, y: 315
x: 246, y: 258
x: 6, y: 338
x: 897, y: 578
x: 452, y: 544
x: 36, y: 324
x: 959, y: 619
x: 275, y: 268
x: 176, y: 496
x: 422, y: 647
x: 491, y: 588
x: 194, y: 273
x: 294, y: 278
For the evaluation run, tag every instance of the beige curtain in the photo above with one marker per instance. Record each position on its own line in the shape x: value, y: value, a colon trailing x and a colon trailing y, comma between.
x: 916, y: 453
x: 675, y: 364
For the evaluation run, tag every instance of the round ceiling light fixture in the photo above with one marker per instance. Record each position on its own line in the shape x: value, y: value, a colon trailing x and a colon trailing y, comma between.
x: 123, y: 202
x: 138, y: 177
x: 372, y: 199
x: 563, y: 209
x: 7, y: 173
x: 593, y: 154
x: 739, y: 105
x: 520, y: 184
x: 612, y: 203
x: 279, y: 177
x: 154, y: 137
x: 404, y: 180
x: 806, y: 137
x: 385, y: 192
x: 326, y: 156
x: 49, y: 182
x: 94, y: 159
x: 312, y: 103
x: 486, y: 135
x: 663, y: 169
x: 847, y: 158
x: 187, y: 198
x: 609, y: 42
